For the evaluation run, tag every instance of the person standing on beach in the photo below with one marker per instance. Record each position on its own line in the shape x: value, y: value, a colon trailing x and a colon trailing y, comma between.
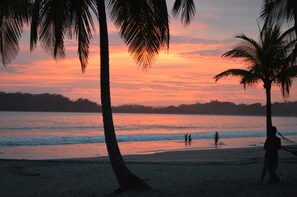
x: 186, y: 138
x: 190, y: 138
x: 216, y: 137
x: 272, y: 145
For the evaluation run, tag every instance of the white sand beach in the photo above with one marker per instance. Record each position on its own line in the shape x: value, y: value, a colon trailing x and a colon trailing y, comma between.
x: 219, y: 172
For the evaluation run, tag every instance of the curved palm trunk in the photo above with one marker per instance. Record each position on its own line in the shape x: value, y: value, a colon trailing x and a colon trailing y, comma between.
x: 125, y: 178
x: 268, y: 110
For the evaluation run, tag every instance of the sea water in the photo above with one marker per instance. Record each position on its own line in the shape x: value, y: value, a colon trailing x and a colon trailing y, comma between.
x: 48, y: 135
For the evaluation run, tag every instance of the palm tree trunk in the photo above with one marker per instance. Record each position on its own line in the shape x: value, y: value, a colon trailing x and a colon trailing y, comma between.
x: 125, y: 178
x: 268, y: 110
x: 269, y: 146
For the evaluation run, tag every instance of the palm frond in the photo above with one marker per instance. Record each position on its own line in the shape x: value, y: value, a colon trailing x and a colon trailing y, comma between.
x: 232, y: 72
x: 285, y: 79
x: 250, y: 79
x: 54, y: 24
x: 13, y: 15
x: 289, y: 34
x: 187, y: 10
x: 292, y: 57
x: 276, y: 10
x: 52, y: 20
x: 245, y: 52
x: 248, y: 50
x: 34, y: 24
x: 254, y: 45
x: 83, y: 27
x: 290, y: 44
x: 143, y: 25
x: 10, y: 33
x: 238, y: 53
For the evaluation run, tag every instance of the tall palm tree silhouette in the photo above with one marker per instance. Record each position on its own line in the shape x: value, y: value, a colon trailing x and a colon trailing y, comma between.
x: 269, y: 63
x: 143, y: 25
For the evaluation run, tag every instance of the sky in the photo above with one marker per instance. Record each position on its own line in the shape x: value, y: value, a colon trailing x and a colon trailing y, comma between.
x: 182, y: 75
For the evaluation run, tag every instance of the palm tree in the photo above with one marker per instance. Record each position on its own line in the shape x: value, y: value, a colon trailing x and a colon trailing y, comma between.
x: 13, y: 15
x: 278, y: 11
x: 143, y: 25
x: 269, y: 62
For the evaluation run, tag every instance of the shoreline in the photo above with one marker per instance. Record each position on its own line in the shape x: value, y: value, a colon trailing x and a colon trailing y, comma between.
x: 190, y: 155
x: 94, y: 150
x: 127, y: 148
x: 218, y: 172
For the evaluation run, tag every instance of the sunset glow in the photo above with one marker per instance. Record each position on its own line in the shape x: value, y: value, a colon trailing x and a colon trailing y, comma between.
x: 182, y: 75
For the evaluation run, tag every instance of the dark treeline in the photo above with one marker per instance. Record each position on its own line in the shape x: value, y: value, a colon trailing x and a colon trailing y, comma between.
x: 216, y: 108
x: 44, y: 102
x: 59, y: 103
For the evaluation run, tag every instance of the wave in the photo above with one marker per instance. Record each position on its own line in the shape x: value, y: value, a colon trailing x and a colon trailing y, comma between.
x: 64, y: 140
x: 100, y: 128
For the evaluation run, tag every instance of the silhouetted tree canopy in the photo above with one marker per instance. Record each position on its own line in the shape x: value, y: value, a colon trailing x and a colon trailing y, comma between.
x: 58, y: 103
x: 44, y: 102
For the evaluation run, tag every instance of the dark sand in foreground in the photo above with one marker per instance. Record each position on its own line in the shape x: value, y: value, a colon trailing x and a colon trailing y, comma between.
x: 220, y: 172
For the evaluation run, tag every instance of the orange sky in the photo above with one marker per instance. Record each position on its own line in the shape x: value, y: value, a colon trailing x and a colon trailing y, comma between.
x: 183, y: 75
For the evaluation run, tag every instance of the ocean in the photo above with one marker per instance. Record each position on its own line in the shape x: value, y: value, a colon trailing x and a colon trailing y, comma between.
x: 51, y: 135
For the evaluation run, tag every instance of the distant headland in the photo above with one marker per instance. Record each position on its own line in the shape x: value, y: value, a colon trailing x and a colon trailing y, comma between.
x: 58, y: 103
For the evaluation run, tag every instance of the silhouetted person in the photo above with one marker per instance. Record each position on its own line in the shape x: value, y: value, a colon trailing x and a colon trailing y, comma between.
x: 190, y: 138
x: 216, y: 137
x: 272, y: 145
x: 186, y: 138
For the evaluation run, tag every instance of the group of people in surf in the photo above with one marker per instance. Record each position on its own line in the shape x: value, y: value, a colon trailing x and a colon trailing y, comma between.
x: 188, y: 138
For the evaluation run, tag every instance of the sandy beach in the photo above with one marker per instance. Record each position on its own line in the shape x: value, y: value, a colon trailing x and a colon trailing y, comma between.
x: 218, y: 172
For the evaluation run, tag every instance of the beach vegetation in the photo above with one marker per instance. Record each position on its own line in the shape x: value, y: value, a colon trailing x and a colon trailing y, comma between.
x: 59, y: 103
x: 271, y: 61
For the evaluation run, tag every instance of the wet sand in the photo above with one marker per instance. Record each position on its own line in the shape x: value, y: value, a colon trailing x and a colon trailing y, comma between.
x: 209, y: 173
